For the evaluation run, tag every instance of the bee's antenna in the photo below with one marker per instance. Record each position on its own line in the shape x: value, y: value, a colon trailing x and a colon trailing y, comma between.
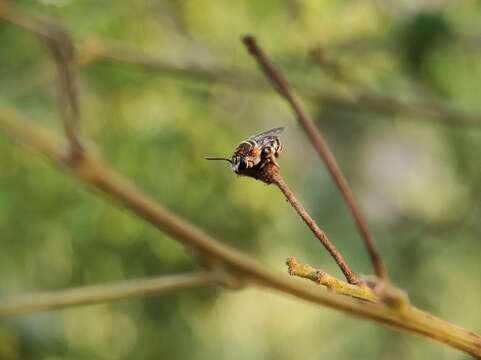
x: 218, y: 158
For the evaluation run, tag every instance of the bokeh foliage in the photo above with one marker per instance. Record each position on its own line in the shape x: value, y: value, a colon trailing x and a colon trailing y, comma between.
x: 416, y: 178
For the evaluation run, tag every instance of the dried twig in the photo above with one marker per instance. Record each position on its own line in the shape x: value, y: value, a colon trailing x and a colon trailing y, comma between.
x: 320, y: 144
x: 268, y: 172
x: 351, y: 277
x: 60, y: 299
x: 361, y: 291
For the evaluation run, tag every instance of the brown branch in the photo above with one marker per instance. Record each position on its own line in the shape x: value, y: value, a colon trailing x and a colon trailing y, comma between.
x: 360, y: 291
x: 351, y: 277
x: 86, y: 295
x: 268, y: 172
x: 63, y: 53
x: 320, y: 144
x: 238, y: 267
x: 61, y: 47
x: 93, y: 172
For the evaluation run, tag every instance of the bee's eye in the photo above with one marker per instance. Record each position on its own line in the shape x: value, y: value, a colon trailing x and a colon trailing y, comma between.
x: 242, y: 164
x: 266, y: 150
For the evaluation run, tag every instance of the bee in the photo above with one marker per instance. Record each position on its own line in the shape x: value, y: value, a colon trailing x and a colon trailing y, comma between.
x: 258, y: 150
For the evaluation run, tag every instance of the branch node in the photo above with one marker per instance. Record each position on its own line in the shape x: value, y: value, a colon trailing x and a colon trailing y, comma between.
x: 281, y: 85
x: 230, y: 279
x: 269, y: 174
x: 351, y: 277
x: 85, y: 164
x: 265, y: 172
x: 225, y: 275
x: 390, y: 295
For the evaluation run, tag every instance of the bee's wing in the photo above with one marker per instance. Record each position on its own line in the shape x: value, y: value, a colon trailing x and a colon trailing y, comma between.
x: 263, y: 137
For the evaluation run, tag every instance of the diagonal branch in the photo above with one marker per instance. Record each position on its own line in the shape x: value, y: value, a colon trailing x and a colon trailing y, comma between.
x: 321, y: 235
x: 96, y: 50
x: 60, y: 299
x: 237, y: 267
x: 268, y: 171
x: 63, y: 52
x: 317, y: 139
x: 93, y: 172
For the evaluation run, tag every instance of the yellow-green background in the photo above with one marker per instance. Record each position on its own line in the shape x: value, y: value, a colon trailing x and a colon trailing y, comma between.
x: 417, y: 179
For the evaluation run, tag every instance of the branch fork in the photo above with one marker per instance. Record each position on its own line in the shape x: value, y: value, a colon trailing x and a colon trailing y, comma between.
x: 269, y: 173
x: 97, y: 175
x: 281, y: 85
x: 382, y: 289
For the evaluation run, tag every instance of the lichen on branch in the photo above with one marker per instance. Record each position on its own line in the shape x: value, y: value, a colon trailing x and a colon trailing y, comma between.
x: 306, y: 271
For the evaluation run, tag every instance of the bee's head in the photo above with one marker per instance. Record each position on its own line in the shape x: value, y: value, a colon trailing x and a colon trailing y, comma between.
x: 238, y: 164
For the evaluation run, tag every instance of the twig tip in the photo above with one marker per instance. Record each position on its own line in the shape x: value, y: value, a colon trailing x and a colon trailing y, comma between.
x: 250, y: 42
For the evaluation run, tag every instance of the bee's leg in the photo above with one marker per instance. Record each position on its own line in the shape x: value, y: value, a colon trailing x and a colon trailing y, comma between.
x: 270, y: 158
x: 274, y: 161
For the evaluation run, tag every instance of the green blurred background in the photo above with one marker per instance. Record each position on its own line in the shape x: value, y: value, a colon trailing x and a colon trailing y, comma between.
x: 416, y: 176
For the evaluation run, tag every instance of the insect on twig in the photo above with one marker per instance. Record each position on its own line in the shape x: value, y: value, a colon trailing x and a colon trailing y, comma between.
x: 257, y: 151
x: 256, y: 158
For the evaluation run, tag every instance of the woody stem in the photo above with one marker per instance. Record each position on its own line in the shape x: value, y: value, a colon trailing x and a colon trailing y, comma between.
x: 351, y: 277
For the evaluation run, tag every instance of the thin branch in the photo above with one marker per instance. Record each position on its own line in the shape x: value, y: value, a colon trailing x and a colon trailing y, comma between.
x: 97, y: 50
x: 360, y: 97
x: 60, y: 299
x: 93, y: 172
x: 332, y: 67
x: 320, y: 144
x: 360, y: 291
x: 374, y: 291
x: 63, y: 52
x: 268, y: 171
x: 351, y: 277
x: 60, y: 45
